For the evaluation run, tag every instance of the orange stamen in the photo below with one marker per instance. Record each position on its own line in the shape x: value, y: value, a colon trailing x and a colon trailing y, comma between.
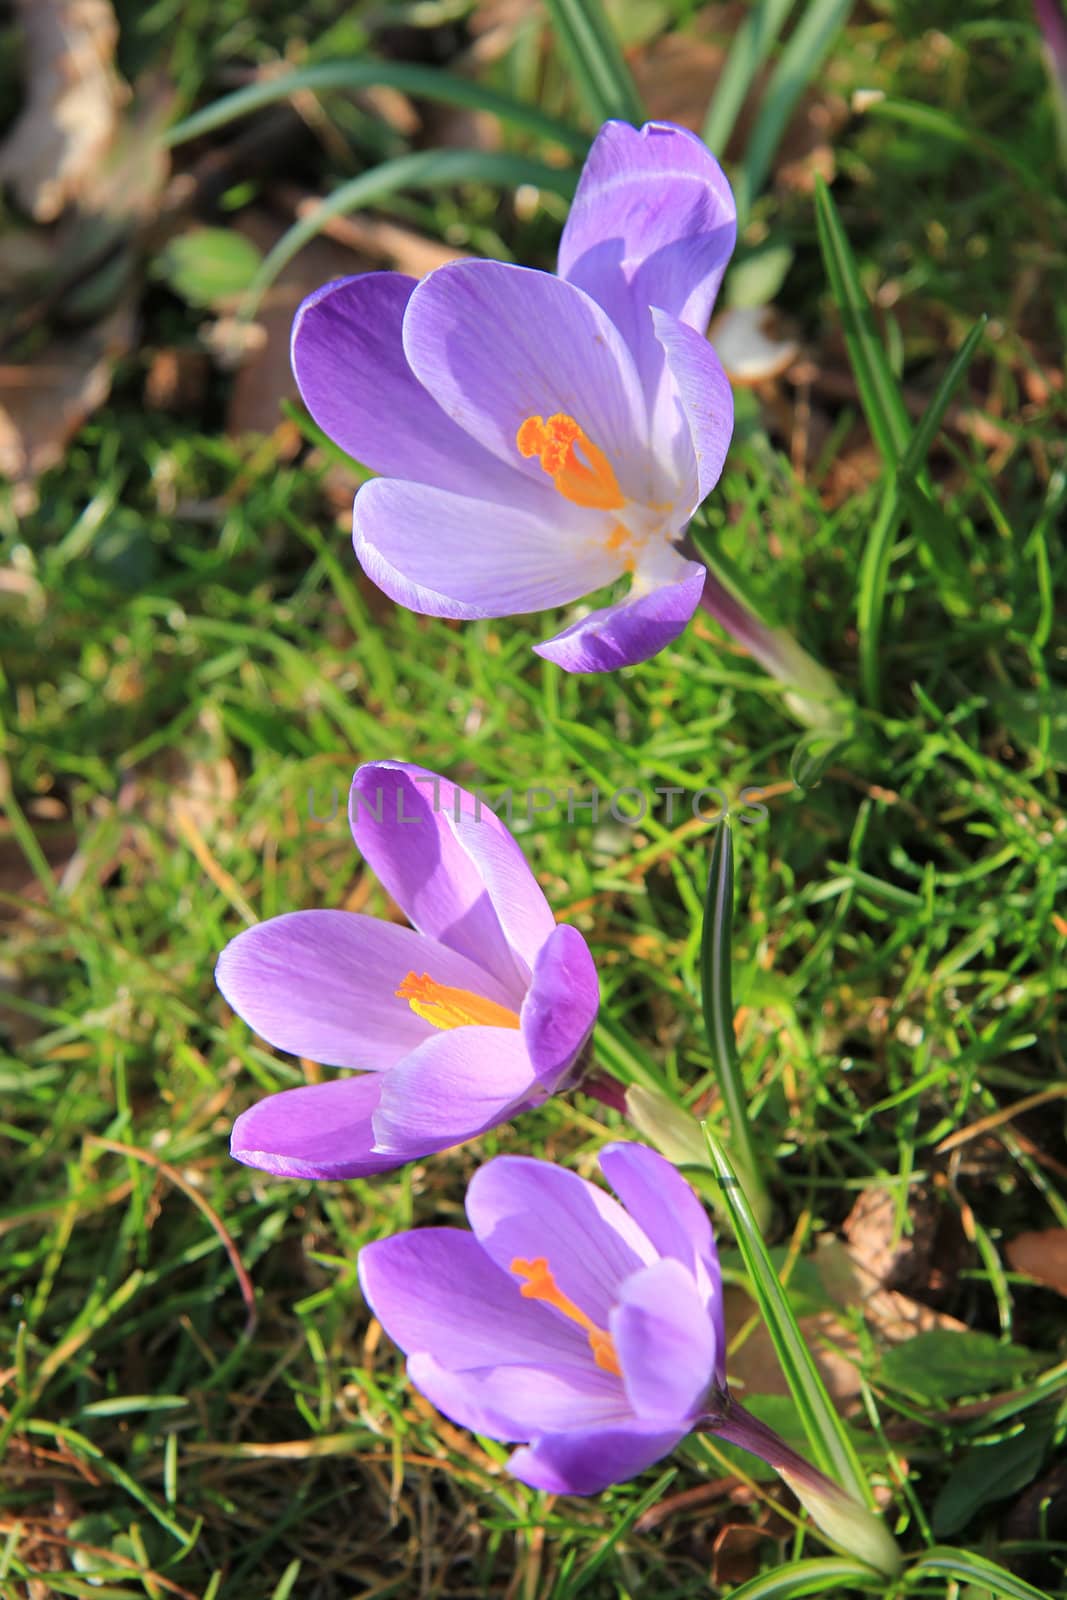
x: 443, y: 1007
x: 586, y: 479
x: 541, y: 1285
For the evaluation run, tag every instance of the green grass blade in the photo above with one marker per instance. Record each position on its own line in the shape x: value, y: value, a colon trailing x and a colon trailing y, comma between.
x: 426, y: 169
x: 924, y: 435
x: 900, y: 492
x: 966, y: 1567
x: 870, y: 592
x: 829, y: 1442
x: 808, y: 1577
x: 424, y: 83
x: 718, y: 1006
x: 879, y: 391
x: 752, y: 44
x: 801, y: 59
x: 602, y: 78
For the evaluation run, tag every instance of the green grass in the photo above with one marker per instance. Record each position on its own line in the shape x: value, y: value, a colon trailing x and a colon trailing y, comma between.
x: 192, y: 664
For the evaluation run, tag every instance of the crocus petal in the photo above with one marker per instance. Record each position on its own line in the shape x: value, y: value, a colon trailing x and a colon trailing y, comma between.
x: 522, y: 1209
x: 658, y: 1197
x: 630, y: 631
x: 587, y: 1462
x: 561, y: 1007
x: 349, y: 362
x: 703, y: 393
x: 456, y: 1085
x: 495, y: 344
x: 322, y: 984
x: 653, y: 224
x: 452, y: 867
x: 436, y: 1291
x: 447, y: 555
x: 321, y: 1131
x: 518, y: 1402
x: 665, y: 1342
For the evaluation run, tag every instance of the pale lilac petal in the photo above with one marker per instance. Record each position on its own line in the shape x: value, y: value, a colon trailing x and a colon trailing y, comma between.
x: 559, y: 1012
x: 665, y: 1342
x: 436, y: 1291
x: 671, y: 1214
x: 322, y: 984
x: 653, y: 224
x: 523, y: 1209
x: 587, y: 1462
x: 456, y: 1085
x: 349, y: 362
x: 447, y: 555
x: 703, y: 395
x: 495, y: 344
x: 519, y: 1402
x: 630, y: 631
x: 320, y: 1131
x: 463, y: 882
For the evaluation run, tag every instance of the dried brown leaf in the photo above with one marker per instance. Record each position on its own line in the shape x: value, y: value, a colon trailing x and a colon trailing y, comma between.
x: 74, y: 98
x: 1041, y: 1256
x: 43, y: 404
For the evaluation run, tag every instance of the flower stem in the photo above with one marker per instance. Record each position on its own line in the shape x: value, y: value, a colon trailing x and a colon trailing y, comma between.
x: 812, y: 695
x: 600, y: 1085
x: 844, y: 1520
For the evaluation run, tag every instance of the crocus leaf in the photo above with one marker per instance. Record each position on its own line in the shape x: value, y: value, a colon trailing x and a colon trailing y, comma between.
x: 600, y: 72
x: 879, y: 391
x: 903, y: 450
x: 717, y: 1001
x: 827, y: 1437
x: 423, y: 83
x: 801, y: 59
x: 753, y: 42
x: 808, y: 1577
x: 966, y: 1567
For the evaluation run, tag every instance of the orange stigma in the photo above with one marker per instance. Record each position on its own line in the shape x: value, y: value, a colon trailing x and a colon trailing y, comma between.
x: 541, y: 1285
x: 586, y: 479
x: 443, y: 1007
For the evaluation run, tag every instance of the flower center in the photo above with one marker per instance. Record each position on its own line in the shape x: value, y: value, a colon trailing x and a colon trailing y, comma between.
x: 586, y: 479
x: 443, y: 1007
x: 541, y: 1285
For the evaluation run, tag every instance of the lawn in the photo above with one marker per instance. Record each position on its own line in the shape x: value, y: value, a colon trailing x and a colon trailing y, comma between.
x: 195, y: 1399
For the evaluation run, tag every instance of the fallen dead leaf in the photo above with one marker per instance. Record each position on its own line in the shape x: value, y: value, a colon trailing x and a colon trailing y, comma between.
x: 891, y: 1255
x: 74, y: 99
x: 1041, y: 1256
x: 835, y: 1347
x: 43, y: 404
x: 746, y: 343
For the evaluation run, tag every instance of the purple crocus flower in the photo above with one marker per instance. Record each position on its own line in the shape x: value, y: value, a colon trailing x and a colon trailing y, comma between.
x: 541, y: 436
x: 478, y: 1011
x: 588, y: 1329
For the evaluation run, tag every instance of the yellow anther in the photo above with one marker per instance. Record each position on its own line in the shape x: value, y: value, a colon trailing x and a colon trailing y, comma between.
x: 541, y: 1285
x: 443, y: 1007
x: 586, y: 479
